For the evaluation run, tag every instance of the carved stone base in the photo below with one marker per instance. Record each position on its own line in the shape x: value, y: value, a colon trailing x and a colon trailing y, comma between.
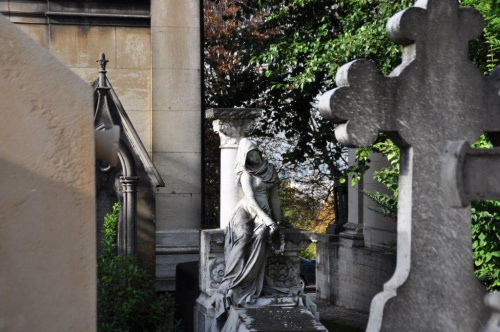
x: 204, y: 312
x: 272, y: 319
x: 281, y: 279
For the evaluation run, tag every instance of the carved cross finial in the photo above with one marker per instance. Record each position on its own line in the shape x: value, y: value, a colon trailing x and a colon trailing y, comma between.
x: 102, y: 70
x: 102, y: 63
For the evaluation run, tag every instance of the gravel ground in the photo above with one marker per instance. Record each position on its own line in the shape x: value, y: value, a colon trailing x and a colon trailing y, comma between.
x: 331, y: 313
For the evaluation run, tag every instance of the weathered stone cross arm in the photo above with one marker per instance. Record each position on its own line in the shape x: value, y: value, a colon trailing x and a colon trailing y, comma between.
x: 362, y: 104
x: 470, y: 174
x: 366, y: 103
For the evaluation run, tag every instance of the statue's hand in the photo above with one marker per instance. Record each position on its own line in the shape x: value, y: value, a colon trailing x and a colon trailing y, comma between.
x: 272, y: 229
x: 268, y: 221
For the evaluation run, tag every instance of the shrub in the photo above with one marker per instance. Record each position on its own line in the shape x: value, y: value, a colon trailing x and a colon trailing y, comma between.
x: 126, y: 300
x: 486, y: 242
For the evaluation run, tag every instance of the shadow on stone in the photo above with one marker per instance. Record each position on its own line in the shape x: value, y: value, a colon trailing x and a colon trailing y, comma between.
x: 186, y: 292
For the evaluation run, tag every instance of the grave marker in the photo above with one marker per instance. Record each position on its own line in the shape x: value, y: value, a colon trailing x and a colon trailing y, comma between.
x: 435, y: 96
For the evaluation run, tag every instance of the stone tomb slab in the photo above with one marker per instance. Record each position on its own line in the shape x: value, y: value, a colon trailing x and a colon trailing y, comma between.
x: 272, y: 319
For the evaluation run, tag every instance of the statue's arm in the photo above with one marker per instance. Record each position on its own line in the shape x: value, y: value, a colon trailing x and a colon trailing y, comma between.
x: 246, y: 185
x: 275, y: 204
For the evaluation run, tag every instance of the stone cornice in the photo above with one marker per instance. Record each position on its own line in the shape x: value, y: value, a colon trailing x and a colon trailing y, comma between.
x: 134, y: 13
x: 233, y: 113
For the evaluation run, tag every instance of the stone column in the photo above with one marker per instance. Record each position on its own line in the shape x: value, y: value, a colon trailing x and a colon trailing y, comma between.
x: 127, y: 234
x: 47, y: 190
x: 353, y: 229
x: 232, y: 124
x: 366, y: 227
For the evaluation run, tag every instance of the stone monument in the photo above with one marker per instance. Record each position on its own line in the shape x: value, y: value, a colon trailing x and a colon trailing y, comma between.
x: 47, y: 205
x: 249, y: 271
x: 435, y: 96
x: 355, y: 259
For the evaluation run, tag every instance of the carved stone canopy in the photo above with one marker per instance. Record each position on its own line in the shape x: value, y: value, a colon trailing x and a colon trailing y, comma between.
x: 110, y: 111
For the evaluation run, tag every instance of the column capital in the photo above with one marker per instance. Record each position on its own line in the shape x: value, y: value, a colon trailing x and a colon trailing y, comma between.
x: 232, y: 124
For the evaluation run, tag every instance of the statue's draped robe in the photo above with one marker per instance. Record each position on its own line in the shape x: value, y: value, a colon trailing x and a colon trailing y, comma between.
x: 246, y: 236
x: 245, y: 250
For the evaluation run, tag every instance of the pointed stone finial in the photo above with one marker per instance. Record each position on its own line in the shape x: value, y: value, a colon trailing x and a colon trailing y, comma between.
x: 102, y: 69
x: 102, y: 63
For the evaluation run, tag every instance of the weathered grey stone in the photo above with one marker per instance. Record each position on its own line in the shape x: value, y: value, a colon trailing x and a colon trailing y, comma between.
x: 176, y: 103
x: 470, y: 174
x: 131, y: 181
x: 272, y: 319
x: 350, y: 276
x: 375, y: 229
x: 493, y: 302
x: 212, y: 268
x: 326, y: 250
x: 47, y: 190
x: 435, y: 96
x: 172, y: 248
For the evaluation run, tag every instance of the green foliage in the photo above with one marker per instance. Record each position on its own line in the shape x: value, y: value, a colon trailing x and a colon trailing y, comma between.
x: 280, y: 55
x: 486, y: 235
x: 298, y: 210
x: 126, y: 300
x: 486, y: 242
x: 291, y: 55
x: 303, y: 211
x: 389, y: 177
x: 485, y: 50
x: 387, y: 204
x: 310, y: 252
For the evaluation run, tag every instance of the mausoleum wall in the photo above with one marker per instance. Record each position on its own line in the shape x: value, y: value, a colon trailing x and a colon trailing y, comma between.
x: 349, y: 276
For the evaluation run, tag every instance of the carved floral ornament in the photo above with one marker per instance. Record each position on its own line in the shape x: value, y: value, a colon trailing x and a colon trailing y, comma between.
x: 281, y: 271
x: 232, y: 124
x: 232, y: 130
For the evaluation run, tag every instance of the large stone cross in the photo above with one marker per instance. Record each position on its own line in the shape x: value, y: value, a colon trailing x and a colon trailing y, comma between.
x: 435, y: 96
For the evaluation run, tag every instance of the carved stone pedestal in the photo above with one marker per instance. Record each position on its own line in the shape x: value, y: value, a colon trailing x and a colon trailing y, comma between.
x: 282, y: 272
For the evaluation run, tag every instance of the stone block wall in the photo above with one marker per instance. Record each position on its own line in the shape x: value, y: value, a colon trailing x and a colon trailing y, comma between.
x: 349, y: 276
x: 176, y: 132
x: 77, y: 41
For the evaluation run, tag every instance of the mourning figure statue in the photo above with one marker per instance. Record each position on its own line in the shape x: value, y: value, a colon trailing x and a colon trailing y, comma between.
x: 254, y: 220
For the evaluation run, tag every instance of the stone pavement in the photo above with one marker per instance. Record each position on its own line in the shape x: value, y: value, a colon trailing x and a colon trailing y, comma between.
x: 331, y: 313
